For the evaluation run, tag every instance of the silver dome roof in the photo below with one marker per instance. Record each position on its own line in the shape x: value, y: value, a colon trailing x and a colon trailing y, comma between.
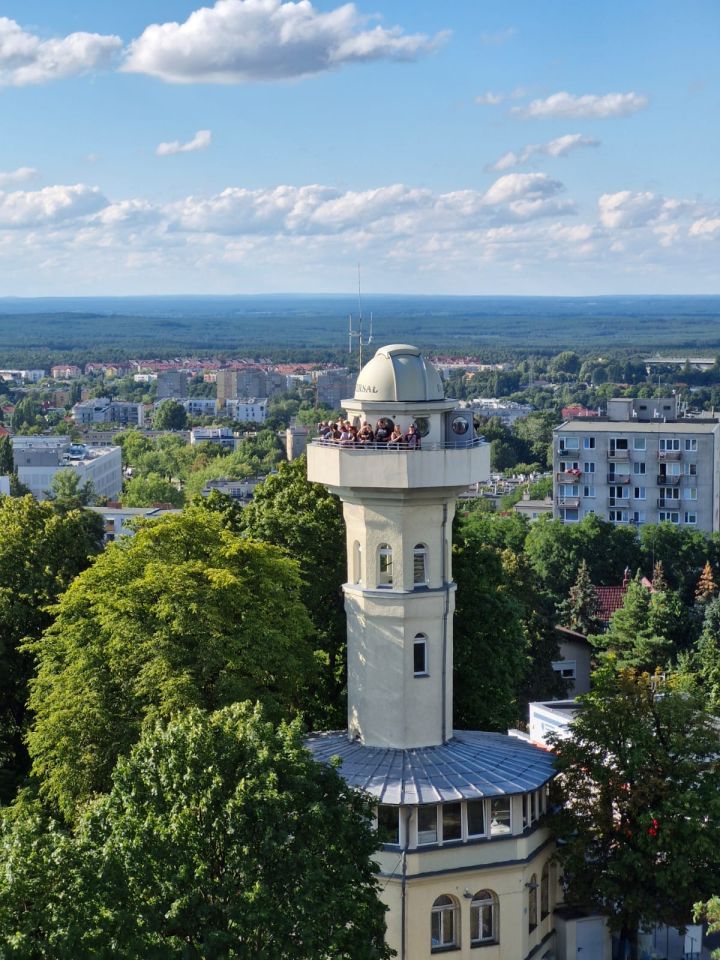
x: 399, y: 372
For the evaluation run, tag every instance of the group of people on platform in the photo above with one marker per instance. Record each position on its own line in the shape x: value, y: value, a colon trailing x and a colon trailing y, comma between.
x: 386, y: 434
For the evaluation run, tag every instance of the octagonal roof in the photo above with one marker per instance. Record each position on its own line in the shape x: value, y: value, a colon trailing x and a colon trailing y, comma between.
x: 399, y: 372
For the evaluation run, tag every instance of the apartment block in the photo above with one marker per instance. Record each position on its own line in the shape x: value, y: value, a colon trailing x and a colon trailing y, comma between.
x: 38, y: 459
x: 172, y: 385
x: 640, y: 463
x: 105, y: 410
x: 247, y: 409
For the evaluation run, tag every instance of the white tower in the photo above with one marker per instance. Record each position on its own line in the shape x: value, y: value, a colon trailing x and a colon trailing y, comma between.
x: 399, y: 505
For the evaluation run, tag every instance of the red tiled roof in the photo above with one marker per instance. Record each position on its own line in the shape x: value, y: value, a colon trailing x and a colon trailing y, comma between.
x: 611, y: 599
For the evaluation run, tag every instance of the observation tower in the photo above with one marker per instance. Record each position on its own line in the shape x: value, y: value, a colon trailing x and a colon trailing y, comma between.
x: 465, y: 862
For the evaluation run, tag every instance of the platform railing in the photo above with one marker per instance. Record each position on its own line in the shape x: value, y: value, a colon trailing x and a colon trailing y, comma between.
x: 400, y: 446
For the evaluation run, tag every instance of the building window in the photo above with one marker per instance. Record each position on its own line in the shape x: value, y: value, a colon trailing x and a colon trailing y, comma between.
x: 545, y: 891
x: 427, y: 824
x: 532, y: 888
x: 444, y: 923
x: 618, y: 516
x: 639, y: 468
x: 638, y: 516
x: 569, y: 443
x: 588, y: 491
x: 500, y: 819
x: 690, y: 517
x: 668, y: 444
x: 639, y: 493
x: 690, y: 493
x: 691, y: 443
x: 568, y: 516
x: 690, y: 469
x: 475, y: 810
x: 618, y: 443
x: 589, y: 467
x: 588, y: 443
x: 666, y: 516
x: 357, y: 562
x: 385, y: 565
x: 451, y: 821
x: 420, y: 655
x: 569, y: 466
x: 484, y: 918
x: 389, y: 824
x: 638, y: 443
x: 420, y: 564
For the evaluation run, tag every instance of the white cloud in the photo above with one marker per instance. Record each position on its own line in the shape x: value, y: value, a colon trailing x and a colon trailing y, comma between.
x: 521, y: 186
x: 17, y: 176
x: 589, y: 106
x: 492, y: 99
x: 49, y: 205
x: 201, y: 141
x: 559, y: 147
x: 628, y: 209
x: 498, y: 38
x: 245, y: 41
x: 26, y: 59
x: 705, y: 227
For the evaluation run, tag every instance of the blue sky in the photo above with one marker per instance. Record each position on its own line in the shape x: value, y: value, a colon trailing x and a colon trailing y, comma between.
x: 522, y: 147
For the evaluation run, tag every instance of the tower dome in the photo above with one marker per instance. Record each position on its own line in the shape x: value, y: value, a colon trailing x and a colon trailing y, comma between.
x: 399, y: 372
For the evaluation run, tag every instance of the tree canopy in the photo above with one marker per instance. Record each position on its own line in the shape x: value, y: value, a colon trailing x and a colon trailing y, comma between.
x: 220, y: 837
x: 185, y: 613
x: 640, y: 793
x: 170, y: 415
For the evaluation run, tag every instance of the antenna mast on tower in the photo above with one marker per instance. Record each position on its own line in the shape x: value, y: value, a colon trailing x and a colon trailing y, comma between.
x: 358, y: 334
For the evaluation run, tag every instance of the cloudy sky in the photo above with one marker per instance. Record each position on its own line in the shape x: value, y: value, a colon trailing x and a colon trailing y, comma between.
x: 475, y: 146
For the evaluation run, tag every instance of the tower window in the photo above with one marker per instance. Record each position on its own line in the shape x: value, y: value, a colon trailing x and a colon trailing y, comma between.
x: 483, y: 918
x: 500, y: 818
x: 545, y: 891
x: 389, y: 824
x: 385, y: 565
x: 427, y: 824
x: 532, y: 888
x: 357, y: 562
x: 420, y: 565
x: 420, y: 655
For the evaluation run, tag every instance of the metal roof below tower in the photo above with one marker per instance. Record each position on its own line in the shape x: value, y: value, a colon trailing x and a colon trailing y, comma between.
x: 472, y: 764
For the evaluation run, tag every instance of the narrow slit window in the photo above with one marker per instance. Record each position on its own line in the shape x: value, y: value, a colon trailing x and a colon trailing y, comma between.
x: 420, y: 565
x: 420, y: 655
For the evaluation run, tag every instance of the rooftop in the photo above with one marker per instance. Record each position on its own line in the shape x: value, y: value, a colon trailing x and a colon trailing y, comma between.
x: 473, y: 764
x: 399, y: 372
x: 603, y: 425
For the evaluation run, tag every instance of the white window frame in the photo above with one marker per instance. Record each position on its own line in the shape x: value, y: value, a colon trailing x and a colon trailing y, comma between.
x: 588, y: 443
x: 689, y: 493
x: 669, y: 516
x: 441, y: 909
x: 420, y: 559
x: 569, y: 443
x: 505, y: 800
x: 420, y: 641
x: 589, y: 466
x: 639, y: 469
x: 639, y: 443
x: 386, y: 806
x: 639, y: 493
x: 483, y: 901
x: 690, y: 518
x: 669, y: 445
x: 427, y: 843
x: 588, y: 490
x: 691, y: 444
x: 483, y: 806
x: 385, y: 566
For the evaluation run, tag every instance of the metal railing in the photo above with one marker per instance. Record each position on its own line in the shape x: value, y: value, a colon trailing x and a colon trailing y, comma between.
x: 618, y: 454
x: 573, y: 502
x: 568, y: 476
x: 668, y: 504
x: 669, y: 455
x: 400, y: 446
x: 664, y: 480
x: 618, y: 478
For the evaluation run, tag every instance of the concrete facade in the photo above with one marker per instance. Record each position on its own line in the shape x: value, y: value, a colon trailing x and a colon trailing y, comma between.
x: 38, y: 459
x: 638, y: 470
x: 105, y: 410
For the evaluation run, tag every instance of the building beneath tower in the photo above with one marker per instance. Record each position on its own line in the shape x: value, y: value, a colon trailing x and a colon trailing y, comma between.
x: 465, y: 861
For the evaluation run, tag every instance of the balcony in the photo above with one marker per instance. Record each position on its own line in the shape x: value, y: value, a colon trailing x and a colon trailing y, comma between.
x: 669, y: 455
x: 568, y: 476
x: 380, y: 467
x: 666, y: 504
x: 618, y: 502
x: 664, y: 480
x: 618, y: 454
x: 572, y: 502
x: 618, y: 478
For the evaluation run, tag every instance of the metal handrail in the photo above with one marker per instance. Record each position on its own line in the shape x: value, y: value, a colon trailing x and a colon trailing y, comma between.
x: 400, y: 446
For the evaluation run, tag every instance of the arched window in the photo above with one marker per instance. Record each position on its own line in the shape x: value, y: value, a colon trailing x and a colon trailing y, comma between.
x: 420, y: 576
x: 357, y: 562
x: 484, y: 926
x: 532, y: 888
x: 420, y: 655
x: 545, y: 891
x: 444, y: 923
x: 385, y: 565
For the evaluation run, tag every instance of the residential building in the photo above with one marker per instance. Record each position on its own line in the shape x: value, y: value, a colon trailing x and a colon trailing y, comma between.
x: 172, y: 385
x: 26, y: 376
x: 106, y: 410
x: 118, y: 521
x: 508, y: 411
x: 247, y: 409
x: 296, y: 438
x: 466, y: 862
x: 532, y: 509
x: 199, y: 406
x: 221, y: 436
x: 640, y: 463
x: 575, y: 663
x: 38, y: 459
x: 4, y: 486
x: 332, y: 385
x: 65, y: 371
x: 239, y: 490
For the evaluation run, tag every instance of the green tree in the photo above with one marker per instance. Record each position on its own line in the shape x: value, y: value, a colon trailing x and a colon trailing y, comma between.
x: 25, y: 414
x: 640, y: 791
x: 490, y: 647
x: 220, y: 837
x: 68, y: 493
x: 185, y: 613
x: 683, y: 553
x: 7, y: 464
x: 170, y: 415
x: 307, y: 522
x: 706, y: 656
x: 133, y: 445
x: 41, y: 551
x: 709, y: 911
x: 642, y: 631
x: 148, y: 490
x: 579, y: 611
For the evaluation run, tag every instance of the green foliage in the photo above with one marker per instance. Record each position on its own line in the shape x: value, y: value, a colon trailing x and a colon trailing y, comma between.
x: 490, y: 649
x: 642, y: 633
x: 709, y: 911
x: 706, y: 656
x: 306, y: 521
x: 170, y: 415
x: 7, y: 464
x: 41, y: 551
x: 220, y: 837
x: 25, y: 415
x: 183, y: 614
x: 682, y: 552
x: 144, y: 491
x: 640, y: 789
x: 579, y: 611
x: 68, y: 493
